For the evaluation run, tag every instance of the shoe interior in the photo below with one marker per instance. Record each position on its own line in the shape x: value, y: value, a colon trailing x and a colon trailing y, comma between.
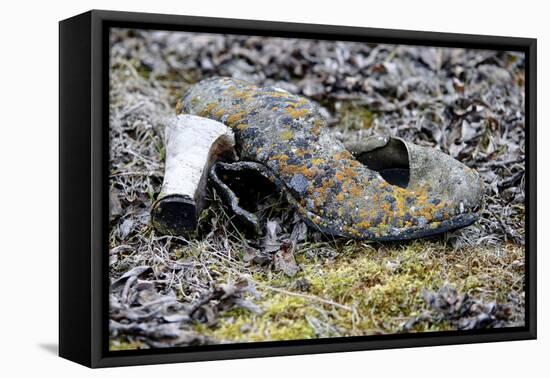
x: 391, y: 161
x: 250, y: 187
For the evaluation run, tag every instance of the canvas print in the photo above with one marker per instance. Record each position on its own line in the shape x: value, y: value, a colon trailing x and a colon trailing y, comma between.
x: 273, y: 189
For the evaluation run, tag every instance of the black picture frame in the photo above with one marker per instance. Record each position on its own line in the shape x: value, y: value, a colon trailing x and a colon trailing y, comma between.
x: 83, y: 181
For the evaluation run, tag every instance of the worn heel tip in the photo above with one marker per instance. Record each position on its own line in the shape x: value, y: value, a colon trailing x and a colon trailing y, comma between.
x: 175, y: 215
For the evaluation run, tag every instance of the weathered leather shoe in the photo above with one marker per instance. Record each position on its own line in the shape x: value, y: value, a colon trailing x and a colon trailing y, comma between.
x: 390, y: 190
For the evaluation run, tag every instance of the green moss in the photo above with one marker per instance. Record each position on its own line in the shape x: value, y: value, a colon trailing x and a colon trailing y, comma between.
x: 377, y: 288
x: 354, y: 116
x: 124, y: 344
x: 284, y: 318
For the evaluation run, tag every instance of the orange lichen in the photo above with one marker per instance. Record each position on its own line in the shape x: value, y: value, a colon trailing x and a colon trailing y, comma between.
x: 400, y: 206
x: 243, y: 95
x: 299, y: 153
x: 298, y: 169
x: 179, y: 107
x: 276, y: 94
x: 279, y: 158
x: 354, y: 163
x: 229, y: 90
x: 316, y: 128
x: 296, y: 113
x: 355, y: 190
x: 363, y: 224
x: 235, y: 118
x: 290, y: 103
x: 207, y: 110
x: 339, y: 155
x: 349, y: 172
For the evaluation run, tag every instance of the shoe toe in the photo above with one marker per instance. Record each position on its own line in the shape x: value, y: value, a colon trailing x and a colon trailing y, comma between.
x: 446, y: 179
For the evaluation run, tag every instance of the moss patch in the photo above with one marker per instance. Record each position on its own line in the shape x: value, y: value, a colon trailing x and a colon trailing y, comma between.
x: 124, y: 344
x: 376, y: 289
x: 353, y: 116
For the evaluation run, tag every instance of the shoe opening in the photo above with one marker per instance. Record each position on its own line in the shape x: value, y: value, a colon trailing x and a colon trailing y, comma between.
x: 391, y: 161
x: 249, y: 186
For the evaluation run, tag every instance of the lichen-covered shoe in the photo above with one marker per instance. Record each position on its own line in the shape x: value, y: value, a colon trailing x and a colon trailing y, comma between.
x: 416, y: 168
x: 368, y: 197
